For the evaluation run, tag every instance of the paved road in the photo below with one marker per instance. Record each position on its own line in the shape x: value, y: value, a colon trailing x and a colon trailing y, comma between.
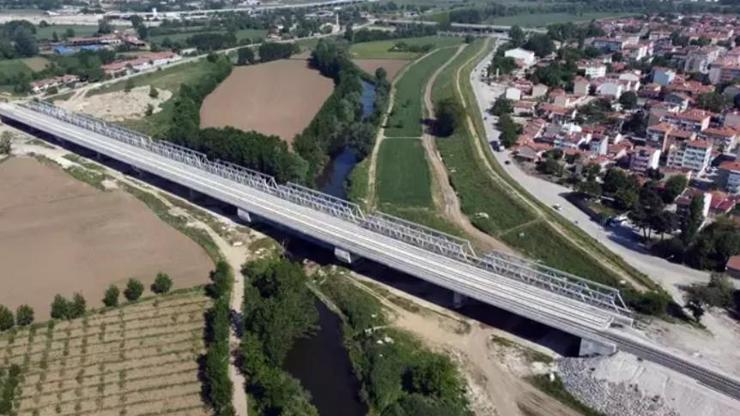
x: 620, y: 240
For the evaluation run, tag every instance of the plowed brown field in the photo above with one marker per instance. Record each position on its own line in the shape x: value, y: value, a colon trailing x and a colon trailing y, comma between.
x: 279, y: 97
x: 59, y: 235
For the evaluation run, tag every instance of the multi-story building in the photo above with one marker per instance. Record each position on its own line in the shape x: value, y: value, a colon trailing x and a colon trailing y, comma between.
x: 721, y: 137
x: 694, y: 155
x: 691, y: 120
x: 592, y: 68
x: 663, y: 76
x: 644, y: 158
x: 656, y: 136
x: 729, y: 176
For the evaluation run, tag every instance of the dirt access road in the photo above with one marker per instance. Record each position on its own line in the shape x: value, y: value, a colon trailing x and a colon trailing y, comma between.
x: 445, y: 196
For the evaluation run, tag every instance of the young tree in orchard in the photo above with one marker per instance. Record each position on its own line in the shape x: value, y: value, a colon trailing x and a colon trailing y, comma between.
x: 77, y: 307
x: 6, y: 318
x: 162, y: 284
x: 110, y: 299
x: 59, y: 307
x: 153, y: 92
x: 24, y: 315
x: 129, y: 85
x: 133, y: 290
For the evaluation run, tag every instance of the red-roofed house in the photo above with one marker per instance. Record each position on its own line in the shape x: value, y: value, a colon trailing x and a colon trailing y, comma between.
x: 693, y: 120
x: 722, y: 137
x: 733, y: 266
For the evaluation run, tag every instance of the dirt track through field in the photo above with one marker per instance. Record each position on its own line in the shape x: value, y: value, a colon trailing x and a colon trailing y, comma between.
x: 58, y: 235
x: 278, y: 98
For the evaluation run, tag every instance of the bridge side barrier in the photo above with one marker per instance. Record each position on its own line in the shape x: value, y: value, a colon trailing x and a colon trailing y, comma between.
x: 522, y: 270
x: 321, y: 202
x: 554, y: 281
x: 420, y: 236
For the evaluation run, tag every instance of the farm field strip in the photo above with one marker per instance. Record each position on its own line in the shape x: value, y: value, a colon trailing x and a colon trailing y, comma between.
x: 403, y: 174
x: 382, y: 49
x: 405, y: 120
x: 153, y: 371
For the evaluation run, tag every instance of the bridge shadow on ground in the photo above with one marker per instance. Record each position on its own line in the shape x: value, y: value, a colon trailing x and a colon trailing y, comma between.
x: 301, y: 247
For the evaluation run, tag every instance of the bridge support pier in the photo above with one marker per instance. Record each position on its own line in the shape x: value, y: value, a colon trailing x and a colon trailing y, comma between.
x: 243, y: 215
x: 343, y: 255
x: 590, y: 348
x: 458, y: 300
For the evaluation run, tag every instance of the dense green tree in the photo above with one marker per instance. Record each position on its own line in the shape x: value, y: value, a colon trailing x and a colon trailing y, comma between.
x: 713, y: 101
x: 628, y: 100
x: 245, y: 56
x: 719, y: 292
x: 590, y: 188
x: 60, y: 308
x: 104, y: 27
x: 449, y: 116
x: 433, y: 376
x: 25, y: 43
x: 509, y: 130
x: 77, y: 307
x: 517, y: 36
x: 540, y: 44
x: 693, y: 219
x: 24, y: 315
x: 270, y: 51
x: 110, y: 299
x: 673, y: 187
x: 502, y: 106
x: 6, y: 318
x: 133, y: 290
x: 162, y: 283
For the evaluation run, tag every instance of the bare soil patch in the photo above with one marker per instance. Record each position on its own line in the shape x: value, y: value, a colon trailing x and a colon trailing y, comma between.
x: 278, y: 98
x: 392, y: 66
x: 58, y: 235
x: 118, y: 105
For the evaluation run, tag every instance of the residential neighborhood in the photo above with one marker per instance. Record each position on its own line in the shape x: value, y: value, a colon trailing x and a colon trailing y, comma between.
x: 623, y: 110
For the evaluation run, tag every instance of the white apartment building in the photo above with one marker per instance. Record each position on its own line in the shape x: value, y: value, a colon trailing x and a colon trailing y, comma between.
x: 694, y: 155
x: 644, y: 158
x: 522, y: 55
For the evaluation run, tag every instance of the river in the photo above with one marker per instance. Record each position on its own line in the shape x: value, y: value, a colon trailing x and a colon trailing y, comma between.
x: 321, y: 362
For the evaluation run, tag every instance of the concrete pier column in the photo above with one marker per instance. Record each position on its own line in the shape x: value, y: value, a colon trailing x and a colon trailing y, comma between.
x: 590, y: 348
x: 244, y: 215
x: 343, y: 255
x: 458, y: 300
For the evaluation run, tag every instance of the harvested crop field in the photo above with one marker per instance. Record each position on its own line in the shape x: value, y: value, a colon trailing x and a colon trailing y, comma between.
x: 138, y: 359
x: 59, y: 236
x: 392, y: 66
x: 278, y: 98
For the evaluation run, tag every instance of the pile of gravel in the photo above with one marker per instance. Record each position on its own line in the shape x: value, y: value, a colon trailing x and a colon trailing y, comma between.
x: 609, y: 398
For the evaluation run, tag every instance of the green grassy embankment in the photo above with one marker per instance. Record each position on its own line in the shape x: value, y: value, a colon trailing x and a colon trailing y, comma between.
x: 405, y: 120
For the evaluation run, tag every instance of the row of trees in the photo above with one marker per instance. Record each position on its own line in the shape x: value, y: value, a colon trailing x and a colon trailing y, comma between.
x: 280, y: 310
x: 62, y: 308
x: 218, y: 388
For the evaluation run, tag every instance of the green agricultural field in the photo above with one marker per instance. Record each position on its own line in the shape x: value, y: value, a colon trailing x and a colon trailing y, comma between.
x: 544, y: 19
x: 405, y: 119
x: 14, y: 67
x: 403, y: 177
x: 182, y: 36
x: 36, y: 64
x: 46, y: 33
x: 382, y: 49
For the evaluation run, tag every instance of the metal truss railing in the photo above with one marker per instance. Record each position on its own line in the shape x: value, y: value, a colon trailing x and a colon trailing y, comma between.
x: 515, y: 268
x: 420, y: 236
